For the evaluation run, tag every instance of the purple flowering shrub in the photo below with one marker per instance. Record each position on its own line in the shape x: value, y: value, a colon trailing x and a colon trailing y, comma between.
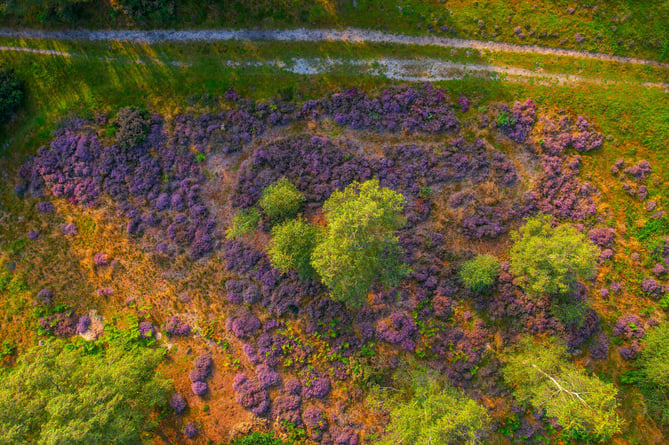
x: 555, y: 137
x: 266, y: 376
x: 101, y: 259
x: 397, y: 329
x: 517, y: 122
x: 201, y: 368
x: 250, y: 395
x: 243, y: 325
x: 629, y: 326
x: 178, y: 403
x: 61, y: 324
x: 190, y: 430
x: 286, y: 409
x: 603, y: 237
x: 651, y: 287
x: 146, y: 329
x: 314, y: 385
x: 83, y: 324
x: 175, y: 327
x: 397, y: 109
x: 155, y: 186
x: 199, y: 388
x: 45, y: 295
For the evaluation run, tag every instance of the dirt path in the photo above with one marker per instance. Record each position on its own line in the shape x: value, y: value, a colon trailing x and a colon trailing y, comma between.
x: 410, y: 70
x: 352, y: 35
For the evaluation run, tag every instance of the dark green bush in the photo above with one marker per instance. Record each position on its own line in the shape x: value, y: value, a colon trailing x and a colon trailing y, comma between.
x: 156, y: 10
x: 11, y: 93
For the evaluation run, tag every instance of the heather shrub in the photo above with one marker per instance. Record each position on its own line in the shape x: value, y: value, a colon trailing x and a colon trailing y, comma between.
x: 424, y: 409
x: 46, y: 397
x: 653, y: 377
x: 479, y: 273
x: 11, y: 93
x: 245, y: 222
x: 281, y: 200
x: 292, y: 245
x: 550, y: 260
x: 542, y: 376
x: 132, y: 127
x: 359, y: 247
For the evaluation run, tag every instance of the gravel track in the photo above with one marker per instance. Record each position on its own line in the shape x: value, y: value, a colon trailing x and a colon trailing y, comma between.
x: 352, y: 35
x: 418, y: 70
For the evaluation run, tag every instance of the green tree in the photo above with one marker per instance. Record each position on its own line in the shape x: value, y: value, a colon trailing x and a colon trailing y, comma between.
x: 292, y: 245
x: 479, y: 273
x: 281, y: 200
x: 58, y: 394
x: 426, y: 410
x: 550, y: 260
x: 582, y: 404
x: 359, y: 246
x: 11, y: 93
x: 653, y: 376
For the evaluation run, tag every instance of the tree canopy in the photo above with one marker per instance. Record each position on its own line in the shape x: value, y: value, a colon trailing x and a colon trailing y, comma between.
x: 654, y: 371
x: 292, y: 244
x: 59, y: 394
x: 542, y: 377
x: 426, y: 410
x: 550, y: 259
x: 359, y: 246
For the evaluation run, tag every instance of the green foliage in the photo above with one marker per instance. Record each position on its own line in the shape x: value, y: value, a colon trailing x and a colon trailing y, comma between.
x: 281, y: 200
x: 550, y: 260
x: 44, y: 10
x: 157, y: 10
x: 244, y: 222
x: 582, y: 404
x: 11, y: 93
x: 59, y: 394
x: 653, y: 375
x: 426, y: 410
x: 257, y: 438
x: 292, y: 245
x: 359, y: 247
x: 479, y: 273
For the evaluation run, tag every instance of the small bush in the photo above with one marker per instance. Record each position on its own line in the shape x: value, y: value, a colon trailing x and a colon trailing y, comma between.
x: 11, y: 93
x: 133, y: 125
x: 281, y: 200
x: 479, y: 273
x: 244, y: 222
x: 292, y: 246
